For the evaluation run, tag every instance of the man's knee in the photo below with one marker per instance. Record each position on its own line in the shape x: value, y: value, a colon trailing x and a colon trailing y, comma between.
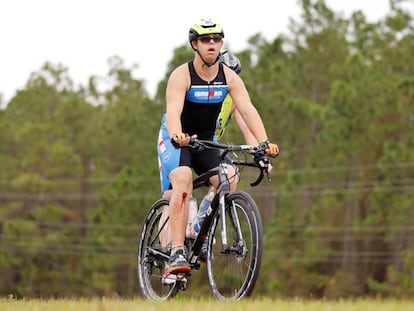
x: 181, y: 176
x: 166, y: 194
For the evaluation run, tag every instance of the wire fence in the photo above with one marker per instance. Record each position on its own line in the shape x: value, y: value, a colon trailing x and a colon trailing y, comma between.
x: 119, y: 240
x: 116, y: 239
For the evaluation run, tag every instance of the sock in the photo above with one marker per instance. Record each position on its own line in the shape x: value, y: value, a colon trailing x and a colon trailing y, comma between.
x: 176, y: 248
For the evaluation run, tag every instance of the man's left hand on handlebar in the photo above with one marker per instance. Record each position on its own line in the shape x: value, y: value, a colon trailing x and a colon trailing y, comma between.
x: 271, y: 149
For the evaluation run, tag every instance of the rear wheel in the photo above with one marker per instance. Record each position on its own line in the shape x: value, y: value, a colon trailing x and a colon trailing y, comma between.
x: 153, y: 254
x: 233, y: 269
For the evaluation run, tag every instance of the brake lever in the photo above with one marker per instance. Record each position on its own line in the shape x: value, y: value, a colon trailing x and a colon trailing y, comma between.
x: 258, y: 180
x: 269, y: 178
x: 263, y: 168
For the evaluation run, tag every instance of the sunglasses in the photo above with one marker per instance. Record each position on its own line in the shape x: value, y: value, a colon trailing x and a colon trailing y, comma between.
x: 207, y: 39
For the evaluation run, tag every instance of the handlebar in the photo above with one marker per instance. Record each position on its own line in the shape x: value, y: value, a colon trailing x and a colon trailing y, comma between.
x: 260, y: 159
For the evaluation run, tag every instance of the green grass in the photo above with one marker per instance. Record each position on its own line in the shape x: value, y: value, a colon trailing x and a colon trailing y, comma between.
x: 178, y: 304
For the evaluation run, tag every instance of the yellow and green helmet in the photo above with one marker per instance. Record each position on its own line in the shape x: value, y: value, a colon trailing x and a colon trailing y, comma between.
x: 204, y: 27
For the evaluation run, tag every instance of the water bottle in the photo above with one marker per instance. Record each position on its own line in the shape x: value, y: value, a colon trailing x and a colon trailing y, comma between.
x: 192, y: 215
x: 202, y: 211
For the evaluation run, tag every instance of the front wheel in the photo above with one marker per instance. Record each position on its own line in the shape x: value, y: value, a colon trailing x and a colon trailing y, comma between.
x: 233, y: 268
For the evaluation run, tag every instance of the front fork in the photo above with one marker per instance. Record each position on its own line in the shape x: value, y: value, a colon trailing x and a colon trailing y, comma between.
x: 224, y: 191
x: 223, y: 227
x: 234, y: 222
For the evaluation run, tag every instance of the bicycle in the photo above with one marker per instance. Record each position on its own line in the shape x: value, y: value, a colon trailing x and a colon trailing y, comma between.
x: 234, y: 242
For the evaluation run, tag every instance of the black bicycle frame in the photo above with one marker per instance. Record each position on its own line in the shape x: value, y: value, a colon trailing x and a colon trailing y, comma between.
x: 218, y: 201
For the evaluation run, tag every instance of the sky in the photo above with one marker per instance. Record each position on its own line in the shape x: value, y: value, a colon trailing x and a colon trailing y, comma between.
x: 83, y: 34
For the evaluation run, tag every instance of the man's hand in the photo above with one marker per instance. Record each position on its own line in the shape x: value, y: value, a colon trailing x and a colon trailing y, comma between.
x: 270, y: 148
x: 180, y: 140
x: 273, y: 149
x: 268, y: 165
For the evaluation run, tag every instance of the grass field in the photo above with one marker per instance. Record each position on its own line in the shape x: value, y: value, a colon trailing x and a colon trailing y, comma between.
x: 178, y: 304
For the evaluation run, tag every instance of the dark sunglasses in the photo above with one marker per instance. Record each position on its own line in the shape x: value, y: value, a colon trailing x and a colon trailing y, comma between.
x: 207, y: 39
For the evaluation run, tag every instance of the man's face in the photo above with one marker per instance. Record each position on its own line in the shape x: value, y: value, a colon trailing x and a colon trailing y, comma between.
x: 209, y: 46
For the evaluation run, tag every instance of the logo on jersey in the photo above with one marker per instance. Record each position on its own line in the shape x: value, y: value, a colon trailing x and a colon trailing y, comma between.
x: 207, y: 94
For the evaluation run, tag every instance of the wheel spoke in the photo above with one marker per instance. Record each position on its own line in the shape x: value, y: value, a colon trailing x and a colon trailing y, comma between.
x: 233, y: 271
x: 152, y: 256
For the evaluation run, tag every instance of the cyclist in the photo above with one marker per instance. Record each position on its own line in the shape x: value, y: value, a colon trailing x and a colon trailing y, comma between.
x: 227, y: 113
x: 195, y: 93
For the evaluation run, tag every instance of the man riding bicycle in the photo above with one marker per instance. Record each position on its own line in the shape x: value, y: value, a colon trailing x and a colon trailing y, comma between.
x: 227, y: 113
x: 195, y: 94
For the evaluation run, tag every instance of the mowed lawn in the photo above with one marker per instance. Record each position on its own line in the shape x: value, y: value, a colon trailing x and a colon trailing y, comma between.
x: 178, y: 304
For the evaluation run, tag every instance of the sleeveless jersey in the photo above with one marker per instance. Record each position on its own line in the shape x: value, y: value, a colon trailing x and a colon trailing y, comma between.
x: 202, y: 105
x: 203, y: 102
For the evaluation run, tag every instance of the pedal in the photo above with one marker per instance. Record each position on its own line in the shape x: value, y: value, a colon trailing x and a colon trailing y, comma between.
x: 182, y: 277
x: 182, y: 280
x: 175, y: 279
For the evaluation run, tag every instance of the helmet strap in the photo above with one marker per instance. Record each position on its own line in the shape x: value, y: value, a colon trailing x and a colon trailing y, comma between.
x: 205, y: 63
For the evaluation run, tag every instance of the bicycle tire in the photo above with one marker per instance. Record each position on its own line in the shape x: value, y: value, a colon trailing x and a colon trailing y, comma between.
x: 150, y: 260
x: 232, y: 275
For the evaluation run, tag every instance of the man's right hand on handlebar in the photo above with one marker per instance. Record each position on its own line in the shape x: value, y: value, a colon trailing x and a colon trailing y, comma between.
x: 181, y: 139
